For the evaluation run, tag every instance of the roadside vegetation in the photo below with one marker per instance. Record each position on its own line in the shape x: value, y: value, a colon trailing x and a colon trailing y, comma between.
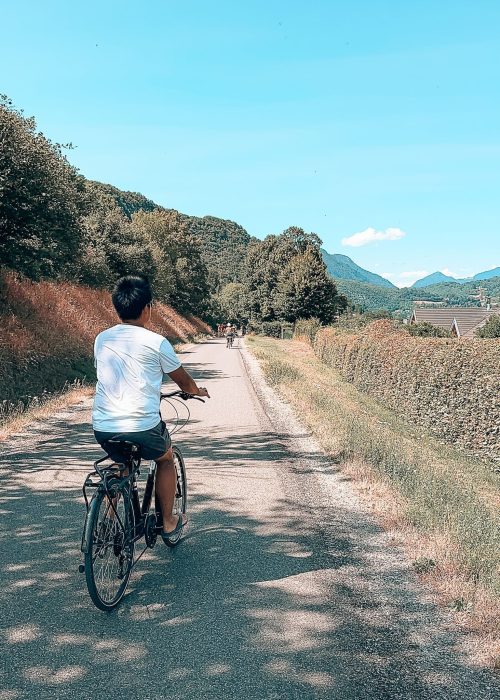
x: 444, y: 384
x: 64, y: 240
x: 441, y: 504
x: 47, y: 331
x: 491, y: 328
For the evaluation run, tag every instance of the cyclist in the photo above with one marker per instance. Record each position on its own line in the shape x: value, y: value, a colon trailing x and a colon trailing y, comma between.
x: 230, y: 331
x: 131, y: 361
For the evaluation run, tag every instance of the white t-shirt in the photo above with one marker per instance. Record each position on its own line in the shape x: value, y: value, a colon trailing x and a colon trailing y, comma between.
x: 130, y: 362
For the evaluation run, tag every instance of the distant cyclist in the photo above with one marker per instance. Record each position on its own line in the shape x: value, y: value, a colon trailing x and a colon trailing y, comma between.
x: 230, y: 333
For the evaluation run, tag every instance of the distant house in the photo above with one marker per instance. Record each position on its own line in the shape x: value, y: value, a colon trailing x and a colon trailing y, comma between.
x: 462, y: 322
x: 426, y: 302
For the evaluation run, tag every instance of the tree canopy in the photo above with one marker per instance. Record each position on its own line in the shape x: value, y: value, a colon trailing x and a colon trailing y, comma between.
x: 42, y: 199
x: 287, y: 279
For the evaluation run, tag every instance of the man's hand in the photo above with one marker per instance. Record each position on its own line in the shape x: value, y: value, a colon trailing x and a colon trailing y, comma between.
x: 186, y: 383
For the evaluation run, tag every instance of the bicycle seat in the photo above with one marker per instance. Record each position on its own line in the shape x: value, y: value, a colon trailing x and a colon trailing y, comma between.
x: 121, y: 450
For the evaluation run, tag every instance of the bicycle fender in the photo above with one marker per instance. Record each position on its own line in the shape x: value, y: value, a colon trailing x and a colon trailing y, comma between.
x: 87, y: 533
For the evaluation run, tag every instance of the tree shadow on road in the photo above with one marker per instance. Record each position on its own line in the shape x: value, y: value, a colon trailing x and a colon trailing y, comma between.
x: 277, y: 606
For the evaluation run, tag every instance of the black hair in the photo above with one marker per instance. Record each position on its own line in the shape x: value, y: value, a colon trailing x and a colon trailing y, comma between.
x: 131, y: 295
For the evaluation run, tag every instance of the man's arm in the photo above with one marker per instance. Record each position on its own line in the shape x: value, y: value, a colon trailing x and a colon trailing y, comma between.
x: 186, y: 383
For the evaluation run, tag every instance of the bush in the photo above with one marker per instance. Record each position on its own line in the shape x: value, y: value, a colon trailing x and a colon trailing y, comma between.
x: 360, y: 320
x: 450, y: 386
x: 307, y: 328
x: 273, y: 328
x: 423, y: 329
x: 491, y: 328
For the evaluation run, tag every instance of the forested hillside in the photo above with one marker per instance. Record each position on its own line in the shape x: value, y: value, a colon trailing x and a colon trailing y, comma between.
x: 224, y: 246
x: 223, y: 243
x: 369, y: 297
x: 57, y: 225
x: 461, y: 294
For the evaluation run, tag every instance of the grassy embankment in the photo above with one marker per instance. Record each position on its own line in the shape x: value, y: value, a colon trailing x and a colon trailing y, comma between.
x: 47, y: 331
x: 441, y: 505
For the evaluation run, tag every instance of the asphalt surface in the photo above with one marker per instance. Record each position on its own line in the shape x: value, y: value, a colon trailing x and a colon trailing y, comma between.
x: 283, y: 587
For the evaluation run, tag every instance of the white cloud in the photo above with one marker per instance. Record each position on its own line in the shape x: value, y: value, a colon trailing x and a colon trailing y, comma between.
x: 413, y: 273
x: 448, y: 272
x: 370, y: 235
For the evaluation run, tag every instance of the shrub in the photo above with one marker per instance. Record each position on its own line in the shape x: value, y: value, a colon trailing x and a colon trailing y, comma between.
x: 271, y: 328
x: 491, y: 328
x: 307, y: 328
x: 360, y: 320
x: 423, y: 329
x: 450, y: 386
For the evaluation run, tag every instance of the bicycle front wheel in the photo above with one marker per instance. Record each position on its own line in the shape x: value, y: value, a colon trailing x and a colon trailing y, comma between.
x: 109, y: 547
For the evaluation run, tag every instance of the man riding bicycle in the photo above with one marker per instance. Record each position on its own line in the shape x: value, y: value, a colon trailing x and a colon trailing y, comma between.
x: 131, y: 361
x: 230, y: 333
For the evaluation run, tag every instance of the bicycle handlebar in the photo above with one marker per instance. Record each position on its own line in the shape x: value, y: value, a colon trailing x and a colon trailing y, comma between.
x: 182, y: 394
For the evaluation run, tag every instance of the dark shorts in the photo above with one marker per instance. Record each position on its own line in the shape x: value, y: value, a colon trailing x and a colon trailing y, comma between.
x: 154, y: 442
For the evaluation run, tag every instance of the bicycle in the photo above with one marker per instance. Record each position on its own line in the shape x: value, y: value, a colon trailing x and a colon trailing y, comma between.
x: 229, y: 341
x: 116, y: 519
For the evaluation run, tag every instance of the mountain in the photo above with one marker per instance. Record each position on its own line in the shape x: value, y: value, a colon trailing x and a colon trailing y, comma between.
x: 343, y: 268
x: 224, y: 246
x: 439, y: 277
x: 435, y: 278
x: 488, y: 274
x: 369, y: 297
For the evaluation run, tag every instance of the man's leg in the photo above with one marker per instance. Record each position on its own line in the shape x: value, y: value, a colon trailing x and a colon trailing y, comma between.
x: 166, y: 482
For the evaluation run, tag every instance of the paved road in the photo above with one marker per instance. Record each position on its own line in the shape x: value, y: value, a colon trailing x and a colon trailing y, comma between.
x: 282, y: 589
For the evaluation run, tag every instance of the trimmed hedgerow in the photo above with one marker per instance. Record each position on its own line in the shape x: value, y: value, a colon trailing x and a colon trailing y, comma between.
x: 448, y: 385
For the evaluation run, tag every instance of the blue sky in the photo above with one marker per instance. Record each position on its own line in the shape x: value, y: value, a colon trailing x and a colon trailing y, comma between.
x: 371, y: 116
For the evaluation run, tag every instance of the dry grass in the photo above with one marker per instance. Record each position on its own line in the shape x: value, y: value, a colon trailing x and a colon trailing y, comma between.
x: 438, y: 503
x: 47, y: 331
x: 16, y: 423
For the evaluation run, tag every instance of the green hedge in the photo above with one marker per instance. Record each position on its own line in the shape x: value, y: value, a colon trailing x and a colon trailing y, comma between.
x: 448, y: 385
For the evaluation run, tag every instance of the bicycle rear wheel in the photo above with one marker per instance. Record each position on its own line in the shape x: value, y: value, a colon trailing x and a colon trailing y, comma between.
x: 109, y: 547
x: 180, y: 500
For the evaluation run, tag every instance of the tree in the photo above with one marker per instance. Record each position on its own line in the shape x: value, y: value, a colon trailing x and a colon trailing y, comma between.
x: 305, y: 290
x: 287, y: 279
x: 491, y: 328
x: 181, y: 277
x: 110, y: 246
x: 232, y: 302
x: 42, y: 199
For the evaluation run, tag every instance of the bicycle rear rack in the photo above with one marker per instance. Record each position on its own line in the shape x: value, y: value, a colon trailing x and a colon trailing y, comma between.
x: 100, y: 478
